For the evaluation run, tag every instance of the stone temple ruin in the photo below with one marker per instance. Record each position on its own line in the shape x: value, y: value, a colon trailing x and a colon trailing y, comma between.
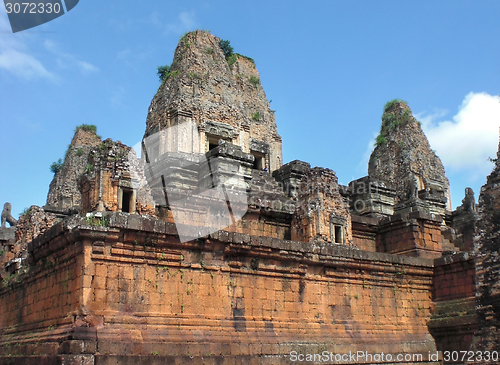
x: 199, y: 245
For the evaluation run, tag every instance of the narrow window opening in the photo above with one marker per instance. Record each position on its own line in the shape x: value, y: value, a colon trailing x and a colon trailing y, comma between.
x: 259, y: 162
x: 338, y: 234
x: 212, y: 142
x: 127, y: 201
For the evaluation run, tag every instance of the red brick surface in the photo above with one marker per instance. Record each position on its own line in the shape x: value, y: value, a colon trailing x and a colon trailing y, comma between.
x: 144, y: 293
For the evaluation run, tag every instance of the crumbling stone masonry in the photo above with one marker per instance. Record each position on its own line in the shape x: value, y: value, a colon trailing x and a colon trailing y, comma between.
x: 486, y: 246
x: 130, y: 291
x: 203, y: 247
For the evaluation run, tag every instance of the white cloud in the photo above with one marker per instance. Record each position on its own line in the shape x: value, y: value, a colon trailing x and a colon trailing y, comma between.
x: 14, y: 56
x: 22, y: 64
x: 363, y: 164
x: 465, y: 142
x: 428, y: 119
x: 185, y: 23
x: 86, y: 68
x: 67, y: 60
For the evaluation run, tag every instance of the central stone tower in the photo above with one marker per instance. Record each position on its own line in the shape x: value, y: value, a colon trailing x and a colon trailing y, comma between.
x: 224, y: 99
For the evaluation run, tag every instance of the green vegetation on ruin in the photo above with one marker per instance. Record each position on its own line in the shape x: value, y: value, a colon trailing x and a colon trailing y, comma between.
x: 26, y: 211
x: 164, y: 72
x: 225, y: 45
x: 392, y: 119
x: 254, y: 80
x: 390, y: 104
x: 247, y: 58
x: 87, y: 127
x: 56, y: 166
x: 94, y: 221
x: 230, y: 55
x: 256, y: 116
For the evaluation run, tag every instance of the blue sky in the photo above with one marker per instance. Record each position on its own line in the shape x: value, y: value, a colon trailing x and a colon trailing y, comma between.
x: 328, y: 67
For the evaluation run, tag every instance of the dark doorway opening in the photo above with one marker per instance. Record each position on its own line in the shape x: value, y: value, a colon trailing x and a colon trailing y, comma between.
x: 126, y: 201
x: 259, y: 162
x: 338, y: 234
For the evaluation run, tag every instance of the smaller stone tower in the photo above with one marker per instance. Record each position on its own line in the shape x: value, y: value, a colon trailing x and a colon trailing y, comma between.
x: 404, y: 159
x: 64, y: 193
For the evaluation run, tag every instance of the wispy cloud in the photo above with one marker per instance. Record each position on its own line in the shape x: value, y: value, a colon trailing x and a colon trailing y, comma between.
x: 15, y: 57
x: 133, y: 58
x: 465, y: 142
x: 186, y: 21
x: 428, y: 118
x: 67, y: 60
x: 363, y: 164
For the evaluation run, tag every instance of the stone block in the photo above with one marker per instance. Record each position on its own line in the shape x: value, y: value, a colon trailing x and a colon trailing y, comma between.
x: 134, y: 222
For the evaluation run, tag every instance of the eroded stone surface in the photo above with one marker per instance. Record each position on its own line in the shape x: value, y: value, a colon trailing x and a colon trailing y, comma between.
x: 226, y: 102
x: 132, y: 289
x: 64, y: 193
x: 321, y: 214
x: 33, y: 223
x: 404, y: 158
x: 114, y: 180
x: 487, y: 247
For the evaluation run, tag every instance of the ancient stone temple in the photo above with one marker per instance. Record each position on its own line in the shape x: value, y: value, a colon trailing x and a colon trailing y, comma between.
x: 199, y: 245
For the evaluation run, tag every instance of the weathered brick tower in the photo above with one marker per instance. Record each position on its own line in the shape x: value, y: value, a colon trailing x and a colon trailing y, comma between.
x: 224, y: 99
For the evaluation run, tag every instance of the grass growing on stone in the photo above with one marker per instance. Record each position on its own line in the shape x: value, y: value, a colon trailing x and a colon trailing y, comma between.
x: 194, y: 75
x: 163, y: 72
x: 231, y: 60
x: 392, y: 120
x: 226, y: 48
x: 87, y: 127
x: 96, y: 222
x: 247, y: 58
x: 256, y: 116
x: 380, y: 140
x: 56, y: 166
x: 388, y: 106
x: 254, y: 80
x: 26, y: 211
